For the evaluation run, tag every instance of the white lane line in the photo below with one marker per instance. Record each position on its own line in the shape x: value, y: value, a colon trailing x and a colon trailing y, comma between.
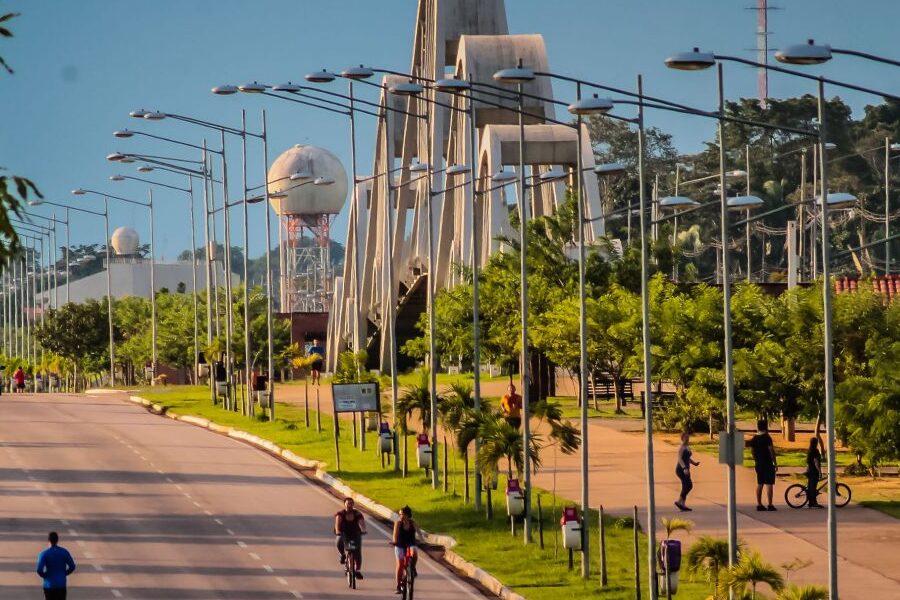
x: 178, y: 486
x: 64, y: 521
x: 80, y: 542
x: 255, y: 556
x: 169, y: 479
x: 116, y: 593
x: 98, y: 567
x: 208, y: 513
x: 296, y: 594
x: 186, y: 495
x: 281, y: 580
x: 229, y: 532
x: 197, y: 504
x: 73, y: 533
x: 241, y: 544
x: 218, y: 521
x: 268, y: 569
x: 88, y: 554
x: 107, y: 580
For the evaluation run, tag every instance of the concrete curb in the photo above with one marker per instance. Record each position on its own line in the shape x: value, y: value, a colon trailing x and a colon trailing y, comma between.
x: 487, y: 580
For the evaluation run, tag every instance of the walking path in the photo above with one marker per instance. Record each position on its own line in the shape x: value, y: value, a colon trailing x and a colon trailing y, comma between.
x: 869, y: 563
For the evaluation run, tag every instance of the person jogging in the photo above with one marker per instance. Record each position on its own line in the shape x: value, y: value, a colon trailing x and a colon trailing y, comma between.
x: 54, y: 565
x: 319, y: 364
x: 683, y: 471
x: 511, y: 405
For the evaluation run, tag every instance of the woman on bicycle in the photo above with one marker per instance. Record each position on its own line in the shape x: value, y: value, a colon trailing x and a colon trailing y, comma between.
x: 813, y: 472
x: 404, y: 539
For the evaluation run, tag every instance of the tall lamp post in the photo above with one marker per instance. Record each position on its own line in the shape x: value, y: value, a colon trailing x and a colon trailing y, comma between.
x: 109, y: 307
x: 149, y: 205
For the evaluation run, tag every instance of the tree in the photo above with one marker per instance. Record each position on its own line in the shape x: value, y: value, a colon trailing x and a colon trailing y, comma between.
x: 708, y: 556
x: 78, y: 332
x: 416, y: 397
x: 452, y: 412
x: 803, y: 592
x: 752, y: 570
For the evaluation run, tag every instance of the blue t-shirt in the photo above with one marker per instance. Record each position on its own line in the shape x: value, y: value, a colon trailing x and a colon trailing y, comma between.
x: 317, y: 350
x: 53, y: 565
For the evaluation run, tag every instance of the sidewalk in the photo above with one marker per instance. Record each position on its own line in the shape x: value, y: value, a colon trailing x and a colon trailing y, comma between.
x: 868, y: 566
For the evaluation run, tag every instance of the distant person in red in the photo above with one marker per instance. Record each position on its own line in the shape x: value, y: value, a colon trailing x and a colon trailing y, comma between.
x: 19, y: 378
x: 319, y: 363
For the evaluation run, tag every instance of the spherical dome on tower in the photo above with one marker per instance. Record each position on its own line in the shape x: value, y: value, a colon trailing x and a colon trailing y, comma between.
x: 304, y: 197
x: 125, y: 241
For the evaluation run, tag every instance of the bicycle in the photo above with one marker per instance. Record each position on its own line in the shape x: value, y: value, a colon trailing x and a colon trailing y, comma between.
x: 795, y: 495
x: 351, y: 565
x: 408, y: 578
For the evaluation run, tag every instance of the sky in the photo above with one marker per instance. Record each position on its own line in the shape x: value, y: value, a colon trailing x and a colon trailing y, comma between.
x: 80, y: 67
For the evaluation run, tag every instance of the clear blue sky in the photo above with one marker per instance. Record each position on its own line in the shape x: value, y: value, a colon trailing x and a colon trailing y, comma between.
x: 81, y: 66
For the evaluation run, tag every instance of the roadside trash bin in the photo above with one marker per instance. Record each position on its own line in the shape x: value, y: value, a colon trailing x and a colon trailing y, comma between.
x: 571, y: 528
x: 515, y: 499
x: 385, y: 438
x: 670, y: 562
x: 423, y: 451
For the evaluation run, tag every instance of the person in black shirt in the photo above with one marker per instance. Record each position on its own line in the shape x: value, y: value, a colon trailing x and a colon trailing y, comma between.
x: 683, y: 470
x: 350, y: 524
x: 813, y: 472
x: 766, y: 464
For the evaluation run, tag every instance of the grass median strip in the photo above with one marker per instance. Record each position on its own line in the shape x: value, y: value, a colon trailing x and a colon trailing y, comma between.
x: 535, y: 573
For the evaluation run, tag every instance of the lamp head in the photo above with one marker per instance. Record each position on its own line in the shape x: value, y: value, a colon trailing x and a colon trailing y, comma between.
x: 610, y: 169
x: 252, y: 88
x: 736, y: 173
x: 451, y: 85
x: 323, y: 181
x: 299, y: 176
x: 514, y: 75
x: 116, y: 178
x: 503, y: 176
x: 286, y: 87
x: 457, y: 169
x: 838, y: 200
x: 322, y: 76
x: 115, y: 157
x: 407, y: 88
x: 591, y: 106
x: 155, y: 116
x: 552, y: 175
x: 225, y: 90
x: 691, y: 61
x: 123, y: 133
x: 744, y: 202
x: 809, y: 53
x: 418, y: 167
x: 138, y: 114
x: 357, y: 73
x: 677, y: 202
x: 79, y: 192
x: 36, y: 201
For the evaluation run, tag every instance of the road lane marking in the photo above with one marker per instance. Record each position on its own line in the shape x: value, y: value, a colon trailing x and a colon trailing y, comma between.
x: 197, y: 504
x: 229, y: 532
x: 107, y: 580
x: 268, y: 569
x: 64, y: 521
x: 98, y: 567
x: 208, y: 513
x: 296, y: 594
x: 255, y: 556
x: 169, y: 479
x: 219, y: 521
x: 80, y: 542
x: 73, y: 533
x: 241, y: 544
x: 116, y: 593
x: 88, y: 554
x: 281, y: 580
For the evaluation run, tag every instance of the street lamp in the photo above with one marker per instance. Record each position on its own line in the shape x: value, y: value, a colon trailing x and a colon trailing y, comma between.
x: 149, y: 205
x: 812, y: 53
x: 109, y: 308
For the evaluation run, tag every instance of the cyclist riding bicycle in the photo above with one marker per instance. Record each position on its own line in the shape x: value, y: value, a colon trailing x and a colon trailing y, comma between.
x: 350, y: 524
x: 404, y: 539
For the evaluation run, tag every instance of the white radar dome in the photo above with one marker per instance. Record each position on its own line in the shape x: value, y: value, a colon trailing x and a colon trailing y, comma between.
x: 125, y: 241
x: 304, y: 197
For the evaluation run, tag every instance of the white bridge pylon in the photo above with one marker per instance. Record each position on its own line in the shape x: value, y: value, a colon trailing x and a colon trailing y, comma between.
x: 466, y: 39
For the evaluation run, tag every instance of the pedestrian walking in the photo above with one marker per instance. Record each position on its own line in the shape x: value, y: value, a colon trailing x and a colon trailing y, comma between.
x: 19, y: 378
x: 511, y: 405
x: 813, y: 472
x: 54, y: 565
x: 766, y: 464
x: 683, y: 471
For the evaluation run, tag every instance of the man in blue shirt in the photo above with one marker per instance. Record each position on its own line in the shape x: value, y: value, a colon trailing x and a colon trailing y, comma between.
x: 54, y: 565
x: 319, y: 364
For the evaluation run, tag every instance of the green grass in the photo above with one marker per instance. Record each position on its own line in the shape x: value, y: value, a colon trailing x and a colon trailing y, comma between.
x: 607, y: 409
x: 888, y: 507
x: 535, y: 573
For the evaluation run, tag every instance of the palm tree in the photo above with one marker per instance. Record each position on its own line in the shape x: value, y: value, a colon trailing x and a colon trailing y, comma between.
x: 501, y: 441
x: 675, y: 524
x: 452, y: 410
x: 752, y: 569
x: 561, y: 432
x: 415, y: 398
x: 803, y: 592
x: 707, y: 557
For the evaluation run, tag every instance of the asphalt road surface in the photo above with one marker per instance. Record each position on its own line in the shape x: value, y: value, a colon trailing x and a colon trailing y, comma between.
x: 152, y: 508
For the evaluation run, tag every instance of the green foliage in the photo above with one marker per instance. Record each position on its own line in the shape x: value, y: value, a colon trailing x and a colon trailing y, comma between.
x: 351, y: 368
x: 708, y: 557
x: 751, y: 570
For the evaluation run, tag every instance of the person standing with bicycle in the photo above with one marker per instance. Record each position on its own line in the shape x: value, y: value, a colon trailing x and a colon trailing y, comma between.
x: 404, y: 541
x: 350, y: 525
x: 813, y: 472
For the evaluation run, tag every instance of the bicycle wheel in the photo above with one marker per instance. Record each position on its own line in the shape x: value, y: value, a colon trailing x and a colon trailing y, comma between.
x: 351, y: 569
x: 410, y: 583
x: 795, y: 495
x: 842, y: 494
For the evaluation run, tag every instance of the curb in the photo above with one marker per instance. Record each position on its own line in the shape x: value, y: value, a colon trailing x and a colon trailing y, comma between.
x: 468, y: 569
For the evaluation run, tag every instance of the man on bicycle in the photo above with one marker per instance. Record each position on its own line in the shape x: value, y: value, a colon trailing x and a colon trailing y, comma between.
x: 350, y: 525
x: 404, y: 539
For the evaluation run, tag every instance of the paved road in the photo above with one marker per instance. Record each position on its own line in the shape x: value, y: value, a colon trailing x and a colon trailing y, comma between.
x: 152, y: 508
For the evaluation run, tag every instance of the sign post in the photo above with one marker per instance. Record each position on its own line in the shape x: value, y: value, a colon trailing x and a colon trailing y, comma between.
x: 352, y: 398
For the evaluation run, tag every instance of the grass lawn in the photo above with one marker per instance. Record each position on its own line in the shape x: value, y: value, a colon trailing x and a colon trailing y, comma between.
x: 606, y: 409
x: 535, y: 573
